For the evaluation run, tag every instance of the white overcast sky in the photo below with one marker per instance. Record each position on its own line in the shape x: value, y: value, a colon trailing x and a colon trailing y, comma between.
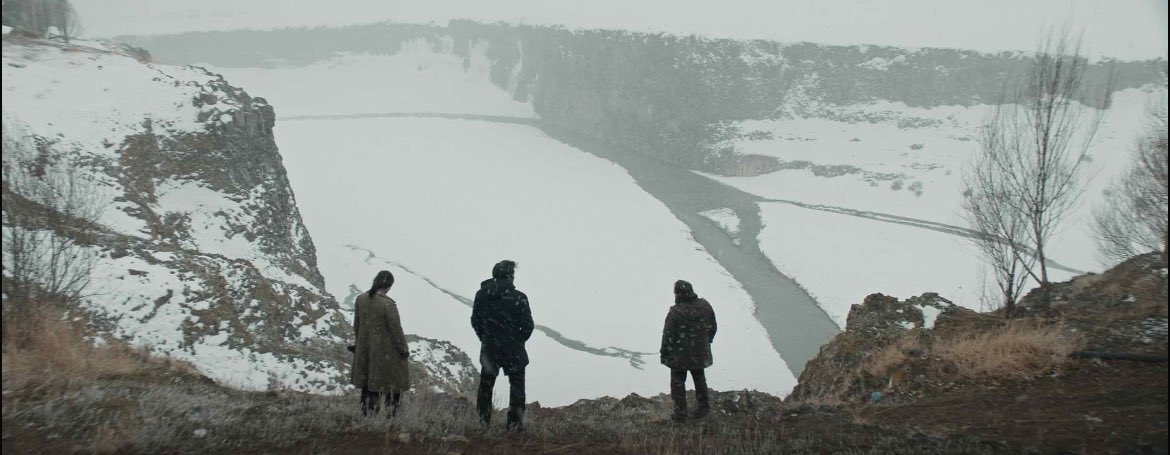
x: 1127, y: 29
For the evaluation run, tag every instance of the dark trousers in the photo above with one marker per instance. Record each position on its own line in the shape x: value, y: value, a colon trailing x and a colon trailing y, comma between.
x: 487, y: 381
x: 372, y: 402
x: 678, y: 391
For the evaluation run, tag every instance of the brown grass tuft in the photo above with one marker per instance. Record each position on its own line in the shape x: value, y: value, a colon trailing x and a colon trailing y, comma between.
x: 1020, y: 349
x: 108, y: 439
x: 55, y: 350
x: 885, y: 360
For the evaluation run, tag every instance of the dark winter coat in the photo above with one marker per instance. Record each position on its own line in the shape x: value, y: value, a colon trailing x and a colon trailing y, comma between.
x: 688, y: 334
x: 503, y: 322
x: 380, y: 354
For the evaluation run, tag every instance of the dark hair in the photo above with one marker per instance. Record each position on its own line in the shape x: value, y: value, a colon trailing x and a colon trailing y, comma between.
x: 384, y: 280
x: 683, y: 291
x: 504, y: 269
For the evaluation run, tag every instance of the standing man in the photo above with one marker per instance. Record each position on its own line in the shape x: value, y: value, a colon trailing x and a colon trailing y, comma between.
x: 503, y: 322
x: 686, y: 346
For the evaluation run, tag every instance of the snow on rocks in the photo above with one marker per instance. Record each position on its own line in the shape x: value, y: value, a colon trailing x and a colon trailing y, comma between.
x: 202, y: 255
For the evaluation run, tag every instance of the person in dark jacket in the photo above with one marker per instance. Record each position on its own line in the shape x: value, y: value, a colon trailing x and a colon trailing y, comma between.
x: 686, y: 346
x: 503, y: 322
x: 380, y: 367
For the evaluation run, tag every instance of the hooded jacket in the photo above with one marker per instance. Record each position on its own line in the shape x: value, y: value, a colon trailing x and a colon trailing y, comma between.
x: 502, y: 320
x: 688, y: 334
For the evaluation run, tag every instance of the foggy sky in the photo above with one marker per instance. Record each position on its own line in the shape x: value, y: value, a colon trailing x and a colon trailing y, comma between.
x: 1126, y: 29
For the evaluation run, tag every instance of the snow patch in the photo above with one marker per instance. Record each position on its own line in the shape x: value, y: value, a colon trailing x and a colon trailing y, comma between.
x: 726, y: 218
x: 929, y: 316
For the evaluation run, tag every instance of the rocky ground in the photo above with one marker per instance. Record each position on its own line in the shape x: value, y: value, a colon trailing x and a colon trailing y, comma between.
x: 901, y: 379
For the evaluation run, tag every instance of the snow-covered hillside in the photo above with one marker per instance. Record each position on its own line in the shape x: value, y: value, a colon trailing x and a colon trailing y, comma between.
x: 867, y: 194
x: 202, y: 255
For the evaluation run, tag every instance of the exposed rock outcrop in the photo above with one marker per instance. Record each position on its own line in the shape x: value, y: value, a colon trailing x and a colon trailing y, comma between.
x: 839, y: 370
x: 439, y: 366
x: 904, y: 349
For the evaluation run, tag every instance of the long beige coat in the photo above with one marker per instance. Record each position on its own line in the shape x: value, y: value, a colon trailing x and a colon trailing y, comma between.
x: 380, y: 355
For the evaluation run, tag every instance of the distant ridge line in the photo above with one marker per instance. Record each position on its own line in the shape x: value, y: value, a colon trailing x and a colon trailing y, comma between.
x: 531, y: 121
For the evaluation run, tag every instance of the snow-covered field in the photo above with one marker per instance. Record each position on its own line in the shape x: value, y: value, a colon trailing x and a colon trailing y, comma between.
x: 876, y: 165
x: 447, y: 199
x: 421, y: 77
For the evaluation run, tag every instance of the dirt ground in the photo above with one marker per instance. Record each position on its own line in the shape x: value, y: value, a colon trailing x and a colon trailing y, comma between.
x: 1094, y: 407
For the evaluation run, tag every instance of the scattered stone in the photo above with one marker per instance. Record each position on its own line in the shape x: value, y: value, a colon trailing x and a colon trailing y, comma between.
x: 635, y: 401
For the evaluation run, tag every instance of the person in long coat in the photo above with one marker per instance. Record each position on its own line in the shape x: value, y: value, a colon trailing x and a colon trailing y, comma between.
x: 380, y: 367
x: 502, y: 321
x: 686, y: 347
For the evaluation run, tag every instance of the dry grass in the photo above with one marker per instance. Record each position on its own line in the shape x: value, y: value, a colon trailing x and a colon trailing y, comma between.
x: 817, y: 401
x: 1019, y: 349
x: 126, y: 416
x: 112, y: 399
x: 883, y: 361
x: 54, y: 351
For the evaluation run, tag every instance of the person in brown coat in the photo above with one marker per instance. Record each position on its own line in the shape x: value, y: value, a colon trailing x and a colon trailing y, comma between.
x: 380, y: 354
x: 686, y: 346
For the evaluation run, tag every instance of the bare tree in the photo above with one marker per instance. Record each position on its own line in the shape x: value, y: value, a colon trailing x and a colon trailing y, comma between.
x: 1031, y: 151
x: 49, y: 214
x: 1132, y: 218
x: 41, y: 15
x: 63, y: 16
x: 1002, y: 229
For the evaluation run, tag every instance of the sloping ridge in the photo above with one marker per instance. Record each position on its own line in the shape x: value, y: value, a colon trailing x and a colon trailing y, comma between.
x: 201, y: 254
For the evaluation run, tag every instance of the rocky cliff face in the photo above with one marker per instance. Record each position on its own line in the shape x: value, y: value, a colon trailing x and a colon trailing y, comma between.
x: 839, y: 369
x: 200, y: 253
x: 667, y: 96
x: 906, y: 349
